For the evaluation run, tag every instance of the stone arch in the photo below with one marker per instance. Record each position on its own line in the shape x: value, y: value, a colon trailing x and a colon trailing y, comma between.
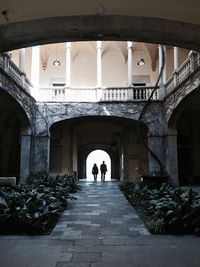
x: 178, y: 97
x: 184, y: 129
x: 117, y: 136
x: 98, y: 156
x: 87, y: 149
x: 180, y: 103
x: 19, y: 95
x: 92, y: 27
x: 13, y: 124
x: 60, y: 112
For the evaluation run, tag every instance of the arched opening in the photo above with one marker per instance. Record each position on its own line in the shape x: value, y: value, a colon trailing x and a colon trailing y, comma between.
x: 74, y: 139
x: 12, y: 122
x: 98, y: 156
x: 186, y: 121
x: 188, y: 147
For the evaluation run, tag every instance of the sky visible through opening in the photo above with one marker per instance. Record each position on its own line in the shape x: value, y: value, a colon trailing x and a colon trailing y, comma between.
x: 98, y: 156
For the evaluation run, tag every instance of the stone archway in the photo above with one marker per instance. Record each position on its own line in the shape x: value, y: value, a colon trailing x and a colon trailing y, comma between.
x: 74, y: 139
x: 184, y: 124
x: 84, y: 151
x: 98, y: 156
x: 92, y: 27
x: 13, y: 121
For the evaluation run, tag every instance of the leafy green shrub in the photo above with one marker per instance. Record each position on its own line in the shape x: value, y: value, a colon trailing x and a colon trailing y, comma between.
x: 136, y: 192
x: 156, y: 226
x: 126, y: 187
x: 44, y: 179
x: 35, y: 207
x: 171, y: 210
x: 180, y: 210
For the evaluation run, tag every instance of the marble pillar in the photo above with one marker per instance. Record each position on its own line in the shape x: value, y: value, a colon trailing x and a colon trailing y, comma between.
x: 68, y: 64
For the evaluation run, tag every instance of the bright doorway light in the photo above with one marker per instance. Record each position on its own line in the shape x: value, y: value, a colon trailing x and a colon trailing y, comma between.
x: 98, y: 156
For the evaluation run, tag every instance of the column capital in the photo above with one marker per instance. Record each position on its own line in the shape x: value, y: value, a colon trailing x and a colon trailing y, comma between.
x: 22, y: 50
x: 68, y: 45
x: 129, y: 44
x: 99, y: 44
x: 35, y: 47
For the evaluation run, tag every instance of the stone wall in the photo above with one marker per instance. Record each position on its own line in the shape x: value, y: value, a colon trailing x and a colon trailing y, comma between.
x: 51, y: 113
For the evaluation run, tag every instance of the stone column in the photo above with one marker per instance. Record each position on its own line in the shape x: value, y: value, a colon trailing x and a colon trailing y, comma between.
x: 41, y: 153
x: 163, y: 79
x: 35, y: 70
x: 25, y: 157
x: 22, y: 63
x: 171, y: 157
x: 6, y: 62
x: 75, y: 153
x: 21, y: 59
x: 165, y: 65
x: 99, y: 81
x: 196, y: 146
x: 160, y: 57
x: 125, y: 149
x: 176, y: 64
x: 156, y: 144
x: 130, y: 64
x: 68, y: 64
x: 176, y: 59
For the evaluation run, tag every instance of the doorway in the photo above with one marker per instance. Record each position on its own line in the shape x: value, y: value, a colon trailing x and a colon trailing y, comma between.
x: 98, y: 156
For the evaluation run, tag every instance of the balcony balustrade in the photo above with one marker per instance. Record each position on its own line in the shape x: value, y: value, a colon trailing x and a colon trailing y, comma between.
x: 65, y: 94
x: 60, y: 94
x: 182, y: 73
x: 14, y: 72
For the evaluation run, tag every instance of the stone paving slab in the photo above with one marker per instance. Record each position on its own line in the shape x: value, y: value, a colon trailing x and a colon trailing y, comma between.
x: 111, y: 207
x: 100, y: 229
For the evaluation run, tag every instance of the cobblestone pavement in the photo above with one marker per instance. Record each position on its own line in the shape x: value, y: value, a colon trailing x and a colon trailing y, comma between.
x: 100, y: 229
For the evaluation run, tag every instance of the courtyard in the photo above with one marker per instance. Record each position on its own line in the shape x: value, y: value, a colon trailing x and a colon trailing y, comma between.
x: 100, y: 229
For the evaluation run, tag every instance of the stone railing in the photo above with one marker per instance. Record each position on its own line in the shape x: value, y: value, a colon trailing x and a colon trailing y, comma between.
x: 64, y: 94
x: 60, y: 94
x: 129, y: 94
x: 13, y: 71
x: 1, y: 61
x: 116, y: 94
x: 183, y: 72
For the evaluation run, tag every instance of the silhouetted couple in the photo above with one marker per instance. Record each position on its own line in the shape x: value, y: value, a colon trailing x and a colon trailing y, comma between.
x: 103, y: 169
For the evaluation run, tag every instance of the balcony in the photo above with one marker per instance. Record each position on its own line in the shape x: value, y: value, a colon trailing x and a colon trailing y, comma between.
x: 106, y: 94
x: 189, y: 67
x: 64, y: 94
x: 14, y: 72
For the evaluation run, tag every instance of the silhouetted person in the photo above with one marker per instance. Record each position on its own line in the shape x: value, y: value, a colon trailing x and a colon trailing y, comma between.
x: 103, y: 169
x: 95, y: 171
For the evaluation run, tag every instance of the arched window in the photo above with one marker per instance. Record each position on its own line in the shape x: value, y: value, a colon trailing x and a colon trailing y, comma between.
x: 98, y: 156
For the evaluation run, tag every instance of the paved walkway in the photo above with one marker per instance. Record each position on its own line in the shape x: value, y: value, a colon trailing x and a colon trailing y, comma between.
x: 100, y: 229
